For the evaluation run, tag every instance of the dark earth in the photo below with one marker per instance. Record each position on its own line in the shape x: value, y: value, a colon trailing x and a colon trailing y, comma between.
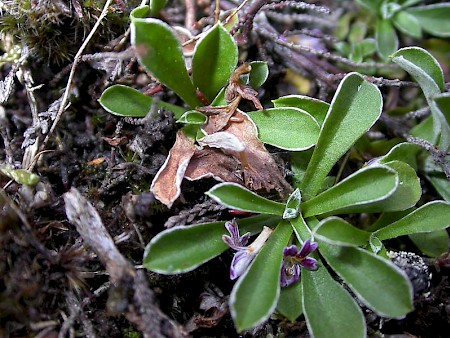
x: 55, y: 280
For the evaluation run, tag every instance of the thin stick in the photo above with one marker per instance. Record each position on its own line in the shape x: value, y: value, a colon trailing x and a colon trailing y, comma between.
x: 217, y: 11
x: 229, y: 17
x: 76, y: 61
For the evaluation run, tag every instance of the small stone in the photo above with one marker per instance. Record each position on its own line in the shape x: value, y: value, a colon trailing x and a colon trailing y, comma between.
x: 415, y: 268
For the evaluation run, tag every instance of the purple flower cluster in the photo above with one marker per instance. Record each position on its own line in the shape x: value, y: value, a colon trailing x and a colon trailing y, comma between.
x: 294, y: 259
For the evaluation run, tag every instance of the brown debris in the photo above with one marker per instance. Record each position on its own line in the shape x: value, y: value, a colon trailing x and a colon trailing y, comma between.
x: 166, y: 184
x: 129, y: 293
x: 236, y: 155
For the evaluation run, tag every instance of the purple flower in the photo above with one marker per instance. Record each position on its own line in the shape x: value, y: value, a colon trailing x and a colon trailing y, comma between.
x: 294, y: 259
x: 235, y: 241
x: 245, y: 254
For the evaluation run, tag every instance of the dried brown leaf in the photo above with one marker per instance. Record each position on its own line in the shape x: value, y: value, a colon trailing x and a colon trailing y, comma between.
x: 167, y: 182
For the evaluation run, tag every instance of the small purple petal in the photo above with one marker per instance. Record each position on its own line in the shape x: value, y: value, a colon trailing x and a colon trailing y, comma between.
x: 240, y: 263
x: 307, y: 248
x: 290, y: 251
x: 235, y: 241
x: 309, y: 263
x: 289, y: 275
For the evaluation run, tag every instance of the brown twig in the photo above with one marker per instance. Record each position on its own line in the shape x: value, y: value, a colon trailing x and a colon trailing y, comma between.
x: 130, y: 293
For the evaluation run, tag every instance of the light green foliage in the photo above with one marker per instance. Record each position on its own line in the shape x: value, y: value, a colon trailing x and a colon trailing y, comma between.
x: 354, y: 109
x: 21, y: 176
x: 128, y: 102
x: 237, y: 197
x: 215, y: 58
x: 366, y: 274
x: 159, y: 51
x: 330, y: 311
x: 408, y: 19
x: 286, y: 128
x: 290, y: 302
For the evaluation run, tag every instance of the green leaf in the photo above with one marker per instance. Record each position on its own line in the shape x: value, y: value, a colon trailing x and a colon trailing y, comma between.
x: 432, y: 244
x: 215, y: 57
x: 184, y: 248
x: 377, y: 282
x: 433, y: 18
x: 237, y: 197
x: 293, y: 205
x: 408, y: 191
x: 21, y: 176
x: 334, y: 230
x: 357, y: 192
x: 423, y: 67
x: 159, y: 51
x: 317, y: 108
x: 126, y: 101
x: 441, y: 184
x: 373, y: 5
x: 255, y: 295
x: 290, y: 302
x: 330, y: 311
x: 286, y: 128
x: 258, y: 74
x: 427, y: 72
x: 405, y: 152
x: 355, y: 107
x: 386, y: 37
x: 193, y: 117
x: 429, y: 217
x: 156, y: 6
x: 407, y: 24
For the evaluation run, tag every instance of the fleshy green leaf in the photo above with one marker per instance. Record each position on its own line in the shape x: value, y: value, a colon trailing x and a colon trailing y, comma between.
x: 126, y: 101
x: 192, y: 117
x: 405, y: 152
x: 286, y: 128
x: 441, y: 184
x: 433, y: 18
x: 423, y: 67
x: 315, y: 107
x: 334, y: 230
x: 293, y: 205
x: 156, y: 6
x: 290, y: 302
x: 329, y: 309
x: 386, y: 37
x: 184, y: 248
x: 159, y: 51
x: 215, y: 58
x: 255, y: 295
x: 408, y: 191
x: 357, y: 192
x: 258, y: 74
x: 354, y: 109
x: 433, y: 243
x: 429, y: 217
x: 427, y: 72
x: 407, y: 24
x: 237, y: 197
x: 373, y: 5
x: 377, y: 282
x: 21, y: 176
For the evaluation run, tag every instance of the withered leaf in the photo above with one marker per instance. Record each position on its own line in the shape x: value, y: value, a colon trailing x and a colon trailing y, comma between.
x: 167, y: 182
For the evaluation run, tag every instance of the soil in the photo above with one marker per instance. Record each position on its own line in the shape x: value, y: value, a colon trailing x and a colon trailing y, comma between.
x: 54, y: 282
